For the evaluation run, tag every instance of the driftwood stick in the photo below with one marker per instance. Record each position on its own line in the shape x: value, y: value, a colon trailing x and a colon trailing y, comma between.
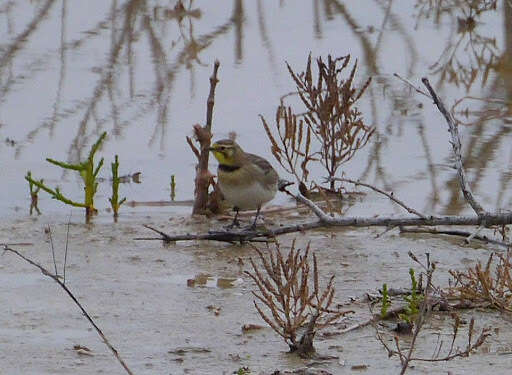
x: 456, y: 146
x: 203, y: 135
x: 327, y: 221
x: 389, y: 195
x: 55, y: 278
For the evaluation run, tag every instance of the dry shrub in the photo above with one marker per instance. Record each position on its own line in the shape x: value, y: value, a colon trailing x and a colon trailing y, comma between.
x: 293, y: 297
x: 330, y: 130
x: 490, y: 285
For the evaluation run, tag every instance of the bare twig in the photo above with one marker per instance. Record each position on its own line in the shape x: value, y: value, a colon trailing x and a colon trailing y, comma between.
x: 66, y: 250
x: 475, y: 233
x: 55, y: 278
x: 410, y: 84
x: 50, y: 238
x: 456, y: 146
x: 389, y: 195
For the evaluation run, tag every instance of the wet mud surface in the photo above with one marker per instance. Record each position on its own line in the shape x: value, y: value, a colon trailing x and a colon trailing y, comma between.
x: 180, y: 308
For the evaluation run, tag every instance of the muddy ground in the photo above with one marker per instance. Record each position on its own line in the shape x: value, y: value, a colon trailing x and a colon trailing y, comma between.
x: 140, y: 294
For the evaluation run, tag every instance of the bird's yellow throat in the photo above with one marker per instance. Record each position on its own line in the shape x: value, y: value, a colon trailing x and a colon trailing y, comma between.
x: 223, y: 155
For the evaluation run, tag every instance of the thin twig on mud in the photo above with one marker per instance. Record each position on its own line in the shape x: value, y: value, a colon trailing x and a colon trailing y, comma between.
x: 55, y: 278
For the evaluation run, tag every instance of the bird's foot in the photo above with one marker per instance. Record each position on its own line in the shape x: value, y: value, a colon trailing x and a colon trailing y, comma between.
x: 235, y: 223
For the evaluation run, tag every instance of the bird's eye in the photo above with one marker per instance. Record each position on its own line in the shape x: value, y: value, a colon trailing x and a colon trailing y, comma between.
x: 222, y: 147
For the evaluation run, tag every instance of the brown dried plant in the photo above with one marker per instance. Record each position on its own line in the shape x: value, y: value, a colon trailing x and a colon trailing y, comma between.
x: 331, y: 129
x: 293, y: 297
x: 490, y: 285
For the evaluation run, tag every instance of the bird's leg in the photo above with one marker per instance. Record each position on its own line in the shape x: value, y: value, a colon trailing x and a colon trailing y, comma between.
x: 236, y: 222
x: 253, y: 226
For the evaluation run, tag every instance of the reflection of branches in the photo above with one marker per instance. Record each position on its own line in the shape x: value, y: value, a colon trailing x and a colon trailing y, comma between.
x: 18, y: 42
x: 369, y: 52
x: 238, y: 20
x: 62, y: 72
x: 267, y: 42
x: 494, y: 109
x: 478, y: 54
x: 23, y: 37
x: 93, y: 117
x: 106, y: 80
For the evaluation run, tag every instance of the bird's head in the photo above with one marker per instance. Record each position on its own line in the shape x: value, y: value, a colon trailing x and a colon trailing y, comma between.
x: 227, y: 152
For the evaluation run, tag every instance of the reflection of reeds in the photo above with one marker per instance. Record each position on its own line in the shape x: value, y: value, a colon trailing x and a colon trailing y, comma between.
x: 470, y: 55
x: 127, y: 22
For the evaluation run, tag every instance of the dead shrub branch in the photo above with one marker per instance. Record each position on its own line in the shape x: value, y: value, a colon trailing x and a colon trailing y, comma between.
x: 490, y: 284
x: 291, y: 293
x: 330, y: 130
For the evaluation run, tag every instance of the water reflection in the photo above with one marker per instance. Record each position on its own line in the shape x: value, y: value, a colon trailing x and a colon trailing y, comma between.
x: 138, y: 68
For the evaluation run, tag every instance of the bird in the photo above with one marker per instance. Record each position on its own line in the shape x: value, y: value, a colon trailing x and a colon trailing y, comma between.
x: 247, y: 181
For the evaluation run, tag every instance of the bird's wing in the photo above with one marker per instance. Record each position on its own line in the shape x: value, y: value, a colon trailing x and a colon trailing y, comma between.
x: 270, y: 175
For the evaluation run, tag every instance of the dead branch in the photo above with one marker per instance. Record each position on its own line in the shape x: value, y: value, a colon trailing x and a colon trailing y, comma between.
x: 203, y: 136
x: 268, y: 235
x: 411, y: 85
x: 328, y: 221
x: 55, y: 278
x: 456, y: 146
x: 389, y: 195
x: 292, y: 296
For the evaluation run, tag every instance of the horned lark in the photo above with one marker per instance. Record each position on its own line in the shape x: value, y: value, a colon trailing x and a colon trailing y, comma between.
x: 247, y: 181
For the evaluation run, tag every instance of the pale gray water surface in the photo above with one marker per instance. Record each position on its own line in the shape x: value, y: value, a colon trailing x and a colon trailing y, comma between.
x: 136, y: 69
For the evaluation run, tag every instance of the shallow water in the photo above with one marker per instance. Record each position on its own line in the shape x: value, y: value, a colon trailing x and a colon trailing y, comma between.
x: 136, y: 69
x: 70, y: 71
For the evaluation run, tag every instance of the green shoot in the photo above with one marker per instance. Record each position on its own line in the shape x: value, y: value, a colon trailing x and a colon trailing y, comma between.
x: 114, y: 200
x: 386, y: 301
x: 87, y: 170
x: 413, y: 301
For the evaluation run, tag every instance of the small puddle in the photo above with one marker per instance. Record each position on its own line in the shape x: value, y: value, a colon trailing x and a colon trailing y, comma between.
x: 206, y: 281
